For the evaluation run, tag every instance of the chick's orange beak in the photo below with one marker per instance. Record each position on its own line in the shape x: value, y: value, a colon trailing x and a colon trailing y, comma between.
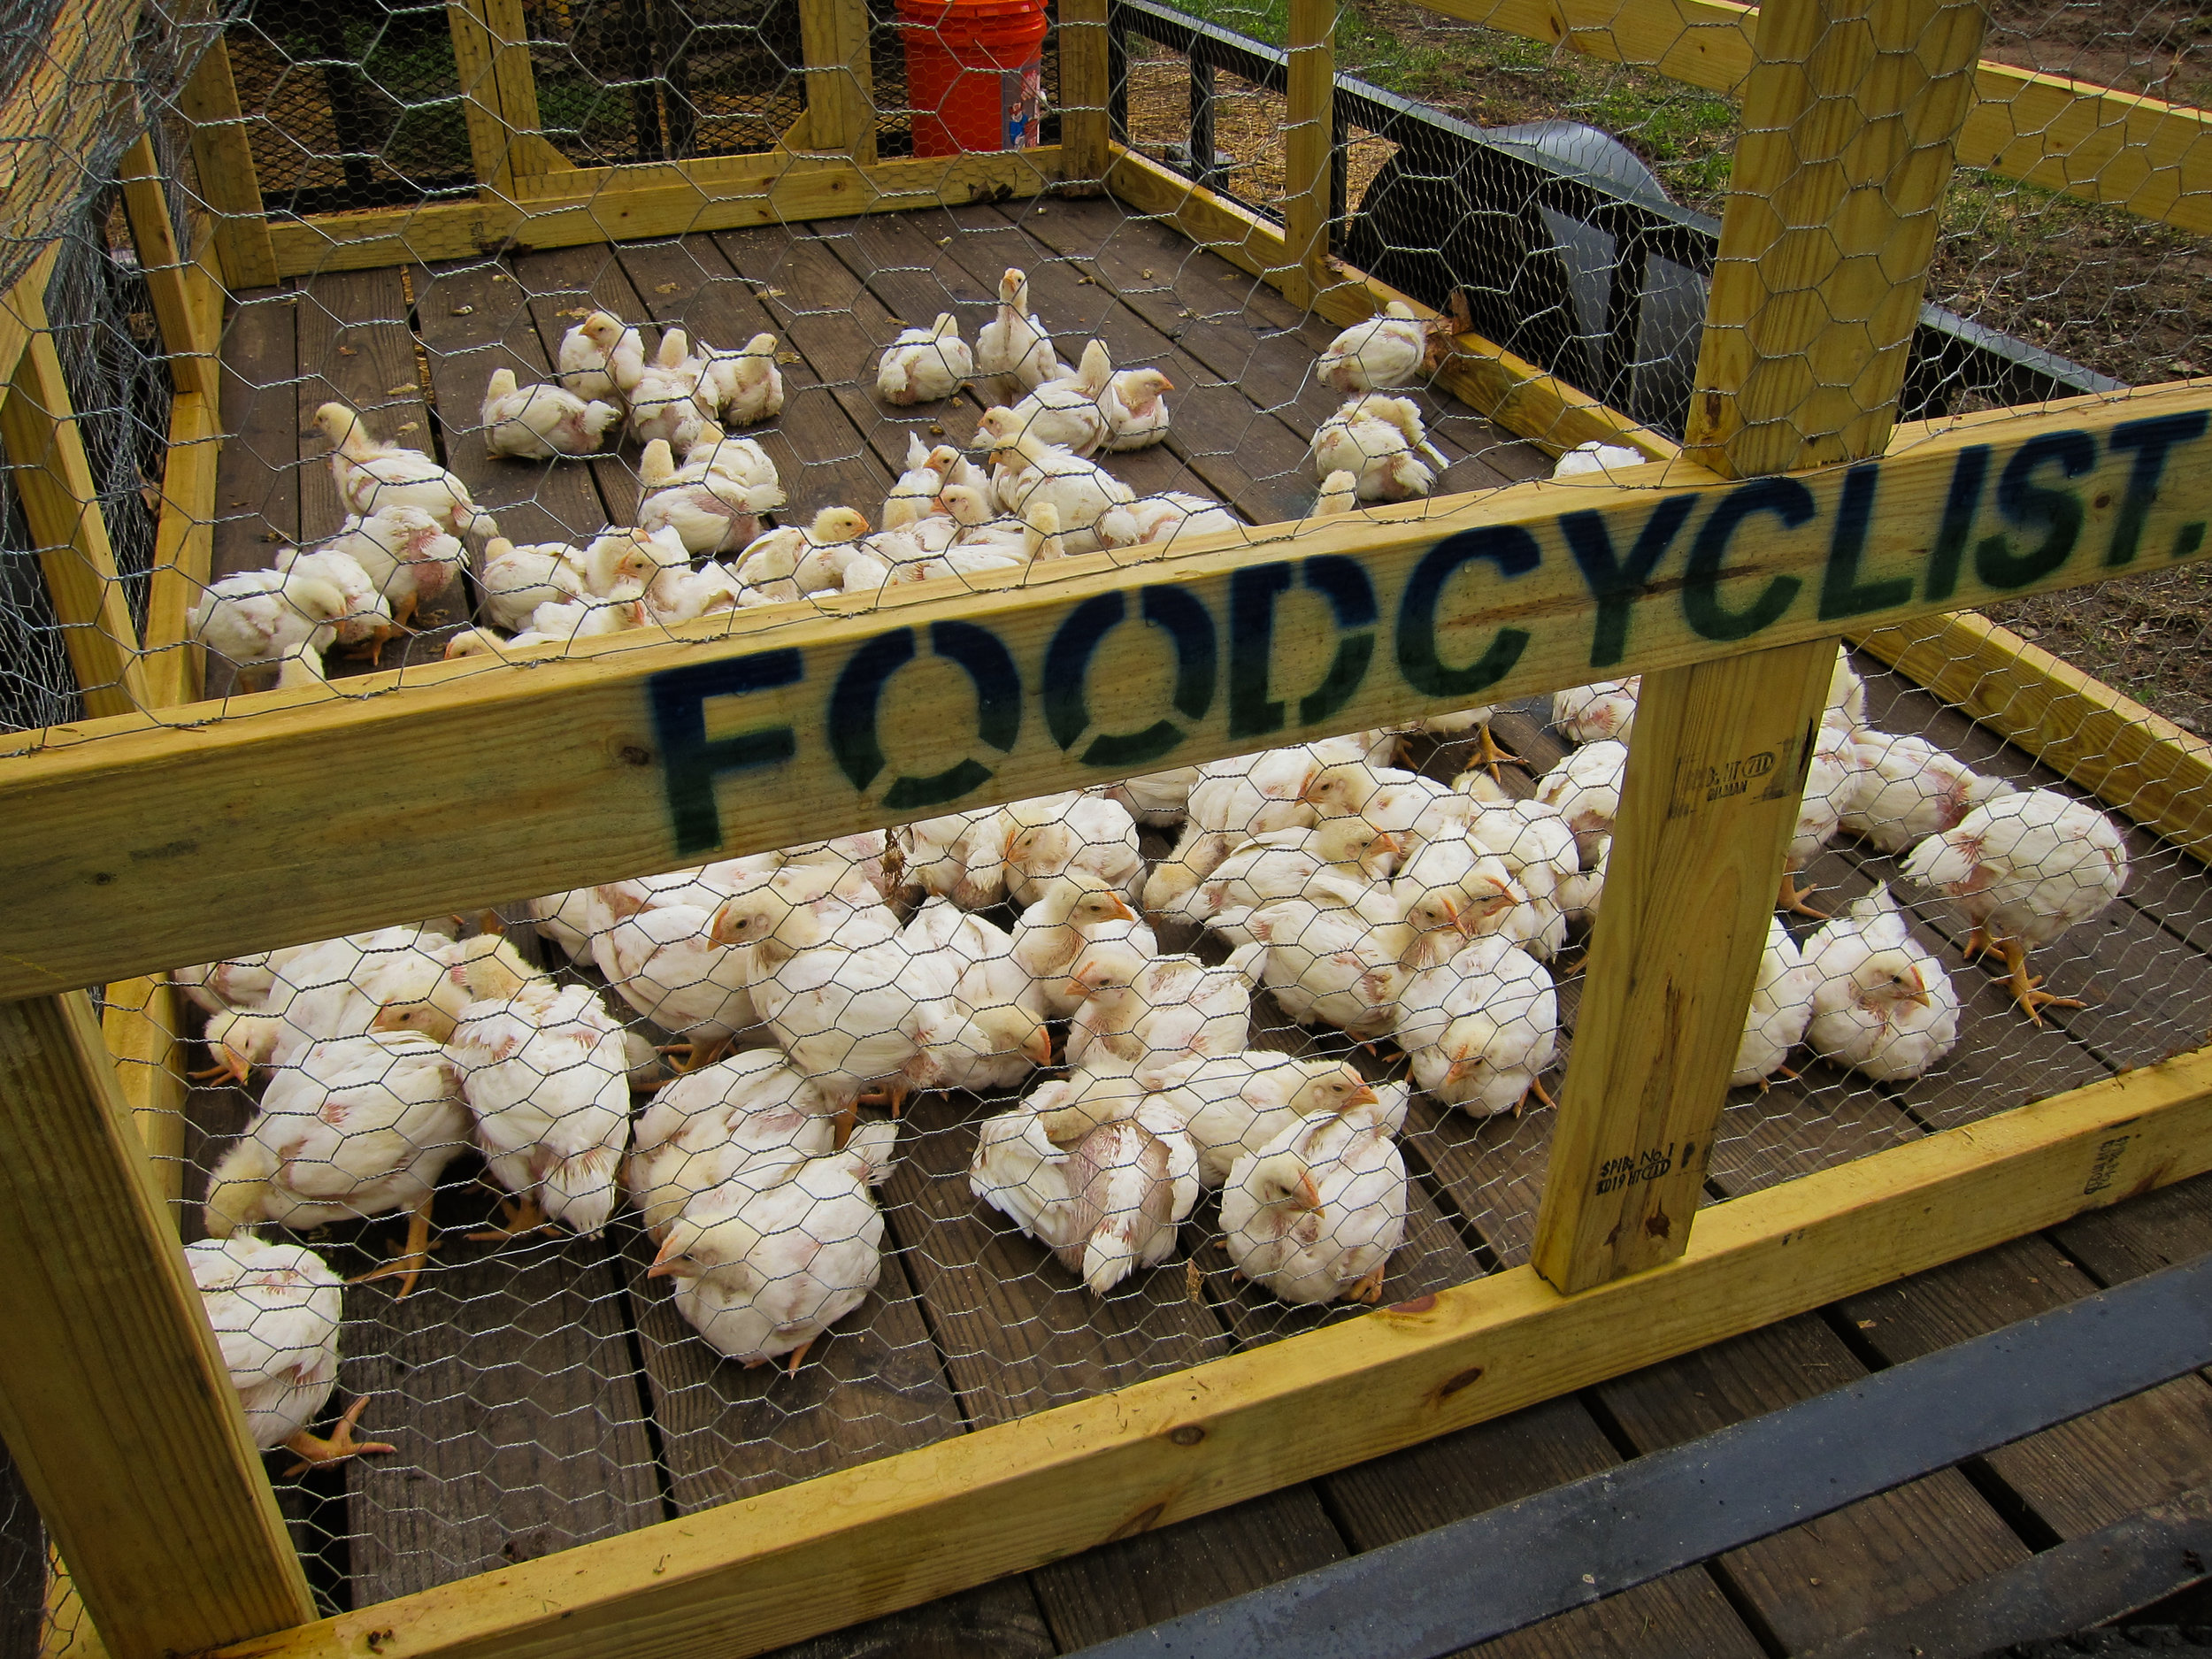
x: 1039, y: 1047
x: 667, y: 1264
x: 1363, y: 1096
x: 1309, y: 1196
x: 1122, y: 909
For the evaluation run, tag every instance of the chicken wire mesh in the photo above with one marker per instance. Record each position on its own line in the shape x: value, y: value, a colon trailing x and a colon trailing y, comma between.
x: 1325, y: 1081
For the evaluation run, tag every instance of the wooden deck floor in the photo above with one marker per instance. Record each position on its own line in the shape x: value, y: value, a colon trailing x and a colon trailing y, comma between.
x: 547, y: 1395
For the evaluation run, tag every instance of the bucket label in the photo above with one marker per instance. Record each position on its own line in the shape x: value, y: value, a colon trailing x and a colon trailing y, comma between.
x: 1021, y: 92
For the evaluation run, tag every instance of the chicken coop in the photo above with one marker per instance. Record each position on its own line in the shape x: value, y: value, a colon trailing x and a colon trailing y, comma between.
x: 1331, y: 418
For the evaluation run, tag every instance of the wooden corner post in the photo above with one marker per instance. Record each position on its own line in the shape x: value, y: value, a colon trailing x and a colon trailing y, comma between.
x: 113, y: 1395
x: 499, y: 94
x: 840, y: 117
x: 1085, y: 92
x: 229, y: 187
x: 1309, y: 132
x: 1851, y: 118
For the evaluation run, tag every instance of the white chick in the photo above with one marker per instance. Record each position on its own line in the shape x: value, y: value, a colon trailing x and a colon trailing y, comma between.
x: 564, y: 625
x: 2022, y: 869
x: 1157, y: 521
x: 960, y: 854
x: 1080, y: 491
x: 1150, y: 1014
x: 746, y: 385
x: 1378, y: 439
x: 1014, y: 348
x: 989, y: 1033
x: 923, y: 365
x: 1909, y: 789
x: 1236, y: 1104
x: 662, y: 959
x: 1339, y: 494
x: 1603, y: 709
x: 546, y: 1075
x: 845, y: 1014
x: 541, y: 423
x: 1781, y: 1006
x: 1065, y: 411
x: 1019, y: 1172
x: 393, y: 978
x: 256, y: 618
x: 517, y: 579
x: 1050, y: 835
x: 408, y: 554
x: 1327, y: 962
x: 767, y: 1262
x: 1235, y: 800
x: 276, y: 1309
x: 715, y: 499
x: 1316, y: 1213
x: 1382, y: 352
x: 1128, y: 1169
x: 360, y: 1126
x: 1540, y: 850
x: 1455, y: 889
x: 1134, y: 403
x: 1596, y: 457
x: 237, y: 983
x: 1161, y: 799
x: 373, y: 477
x: 1337, y: 864
x: 707, y: 1124
x: 590, y: 350
x: 367, y: 623
x: 1481, y: 1029
x: 669, y: 398
x: 1074, y: 910
x: 914, y: 495
x: 1882, y: 1003
x: 1585, y: 788
x: 1831, y: 782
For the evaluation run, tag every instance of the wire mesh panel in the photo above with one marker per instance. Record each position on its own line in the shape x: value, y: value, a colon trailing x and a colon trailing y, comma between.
x: 577, y: 329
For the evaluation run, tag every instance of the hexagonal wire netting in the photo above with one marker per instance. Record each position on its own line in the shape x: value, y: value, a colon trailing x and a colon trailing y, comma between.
x: 1187, y: 1064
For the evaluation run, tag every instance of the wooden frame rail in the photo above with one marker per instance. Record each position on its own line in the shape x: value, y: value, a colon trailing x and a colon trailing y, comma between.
x: 602, y: 765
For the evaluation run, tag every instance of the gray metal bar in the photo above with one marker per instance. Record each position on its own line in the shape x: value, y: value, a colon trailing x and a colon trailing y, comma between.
x: 1501, y: 1572
x: 2090, y: 1580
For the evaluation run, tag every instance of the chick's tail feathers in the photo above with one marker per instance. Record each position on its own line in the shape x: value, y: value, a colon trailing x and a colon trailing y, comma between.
x: 238, y: 1189
x: 580, y: 1189
x: 1109, y: 1255
x: 874, y: 1146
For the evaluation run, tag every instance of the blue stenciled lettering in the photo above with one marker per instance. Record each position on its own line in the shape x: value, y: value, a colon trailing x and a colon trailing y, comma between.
x: 1614, y: 582
x: 690, y: 763
x: 1343, y: 583
x: 1787, y: 500
x: 1253, y: 590
x: 2151, y: 441
x: 1961, y: 502
x: 2030, y: 505
x: 856, y: 702
x: 1068, y: 660
x: 1514, y: 551
x: 1841, y: 592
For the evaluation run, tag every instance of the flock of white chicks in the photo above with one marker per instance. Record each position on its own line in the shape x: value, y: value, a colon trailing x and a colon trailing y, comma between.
x: 807, y: 982
x: 698, y: 547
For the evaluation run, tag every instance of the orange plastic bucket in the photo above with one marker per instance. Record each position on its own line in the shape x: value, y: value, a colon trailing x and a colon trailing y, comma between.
x: 973, y: 74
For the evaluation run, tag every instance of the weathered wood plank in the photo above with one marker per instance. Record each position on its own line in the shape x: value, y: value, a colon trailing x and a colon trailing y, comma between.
x: 506, y: 1382
x: 167, y: 1522
x: 1876, y: 1556
x: 257, y: 476
x: 476, y: 318
x: 229, y: 187
x: 1076, y: 1475
x: 547, y: 811
x: 1308, y: 136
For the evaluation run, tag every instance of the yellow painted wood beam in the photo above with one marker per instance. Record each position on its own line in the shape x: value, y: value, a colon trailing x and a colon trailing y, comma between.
x: 754, y: 1575
x: 194, y: 363
x: 587, y: 205
x: 1085, y: 92
x: 1308, y: 135
x: 165, y: 1517
x: 647, y: 752
x: 230, y: 188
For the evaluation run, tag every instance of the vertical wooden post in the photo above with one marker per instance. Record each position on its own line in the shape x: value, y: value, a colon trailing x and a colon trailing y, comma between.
x: 1308, y: 123
x: 53, y: 480
x: 1085, y: 92
x: 113, y: 1395
x: 840, y: 100
x: 499, y: 93
x: 229, y: 185
x: 1851, y: 118
x: 192, y: 360
x: 144, y: 1029
x: 184, y: 548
